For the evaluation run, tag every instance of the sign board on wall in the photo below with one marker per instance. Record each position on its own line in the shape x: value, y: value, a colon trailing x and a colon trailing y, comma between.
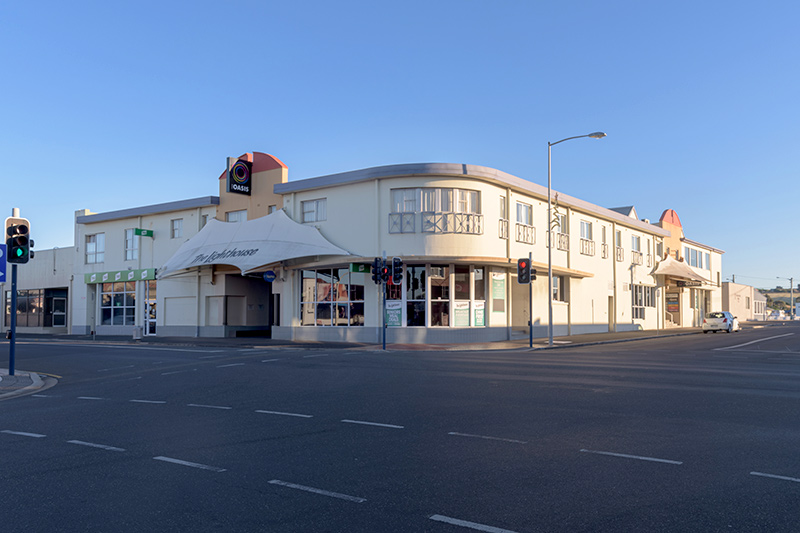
x: 121, y: 275
x: 240, y: 177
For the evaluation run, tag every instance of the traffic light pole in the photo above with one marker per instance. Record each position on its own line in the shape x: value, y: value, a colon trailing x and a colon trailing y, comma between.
x: 530, y: 304
x: 384, y: 316
x: 13, y: 330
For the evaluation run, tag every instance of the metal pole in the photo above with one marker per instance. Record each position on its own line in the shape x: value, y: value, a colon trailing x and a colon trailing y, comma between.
x: 384, y: 315
x: 791, y: 295
x: 12, y: 345
x: 530, y: 303
x: 549, y: 251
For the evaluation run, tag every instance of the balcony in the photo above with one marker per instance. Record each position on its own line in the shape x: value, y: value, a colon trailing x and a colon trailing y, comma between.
x: 440, y: 222
x: 604, y: 250
x: 636, y: 257
x: 562, y: 241
x: 502, y: 228
x: 587, y: 247
x: 620, y: 253
x: 402, y: 223
x: 526, y: 233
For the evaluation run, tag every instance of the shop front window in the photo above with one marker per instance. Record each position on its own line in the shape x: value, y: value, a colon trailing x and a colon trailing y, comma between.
x: 118, y: 303
x: 332, y: 297
x: 440, y: 295
x: 415, y: 295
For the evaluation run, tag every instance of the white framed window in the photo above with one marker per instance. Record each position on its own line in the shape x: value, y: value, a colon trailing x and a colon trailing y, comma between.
x: 236, y: 216
x: 315, y: 210
x: 562, y: 224
x: 636, y: 243
x: 586, y: 230
x: 203, y: 221
x: 271, y: 209
x: 618, y: 239
x: 95, y: 248
x: 642, y: 297
x: 176, y: 228
x: 559, y: 294
x: 525, y: 214
x: 503, y: 213
x: 131, y: 245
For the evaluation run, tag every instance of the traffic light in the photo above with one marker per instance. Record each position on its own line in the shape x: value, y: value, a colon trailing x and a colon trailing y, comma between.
x: 18, y: 243
x: 523, y: 271
x: 385, y: 272
x: 397, y: 271
x: 533, y: 273
x: 377, y: 264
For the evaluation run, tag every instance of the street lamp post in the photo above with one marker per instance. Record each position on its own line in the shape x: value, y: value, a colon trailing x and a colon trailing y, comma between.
x: 791, y: 296
x: 595, y: 135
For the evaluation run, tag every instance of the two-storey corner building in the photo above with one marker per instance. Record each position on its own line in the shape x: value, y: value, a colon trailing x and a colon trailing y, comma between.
x: 459, y: 230
x: 690, y: 273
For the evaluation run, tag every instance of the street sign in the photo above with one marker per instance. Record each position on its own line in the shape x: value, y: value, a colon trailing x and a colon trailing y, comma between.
x: 143, y: 232
x: 269, y: 276
x: 2, y: 263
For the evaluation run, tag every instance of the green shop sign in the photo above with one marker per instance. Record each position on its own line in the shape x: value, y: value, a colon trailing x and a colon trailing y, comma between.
x: 121, y: 275
x: 143, y: 232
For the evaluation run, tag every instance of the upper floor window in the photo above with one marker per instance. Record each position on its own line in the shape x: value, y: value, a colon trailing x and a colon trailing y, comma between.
x: 203, y: 221
x: 440, y: 200
x: 236, y: 216
x: 695, y: 258
x: 131, y: 245
x: 525, y: 214
x: 176, y: 228
x: 271, y: 209
x: 503, y: 213
x: 562, y: 223
x: 315, y: 210
x: 586, y: 230
x: 95, y: 248
x: 636, y: 243
x: 618, y: 239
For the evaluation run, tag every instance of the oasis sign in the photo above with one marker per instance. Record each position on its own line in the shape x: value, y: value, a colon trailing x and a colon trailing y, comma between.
x: 240, y: 177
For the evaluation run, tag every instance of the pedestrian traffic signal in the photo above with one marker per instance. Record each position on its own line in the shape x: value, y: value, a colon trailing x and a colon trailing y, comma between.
x: 533, y: 273
x: 397, y: 271
x: 524, y: 271
x: 377, y: 264
x: 18, y: 243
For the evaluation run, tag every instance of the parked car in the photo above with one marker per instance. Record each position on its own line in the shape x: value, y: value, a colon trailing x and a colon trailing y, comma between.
x: 720, y: 321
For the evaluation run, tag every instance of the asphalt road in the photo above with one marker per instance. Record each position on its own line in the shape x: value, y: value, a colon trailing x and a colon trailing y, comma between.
x: 694, y: 433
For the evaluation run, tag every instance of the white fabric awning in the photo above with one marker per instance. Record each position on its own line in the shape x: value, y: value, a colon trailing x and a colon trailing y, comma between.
x: 669, y: 266
x: 251, y: 245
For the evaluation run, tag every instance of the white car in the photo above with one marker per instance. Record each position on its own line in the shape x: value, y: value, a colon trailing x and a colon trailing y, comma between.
x: 720, y: 321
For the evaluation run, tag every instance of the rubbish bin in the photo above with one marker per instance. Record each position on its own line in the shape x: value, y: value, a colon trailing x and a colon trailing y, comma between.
x: 137, y: 333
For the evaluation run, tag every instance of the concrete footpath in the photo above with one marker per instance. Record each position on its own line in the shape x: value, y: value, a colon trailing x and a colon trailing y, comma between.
x: 23, y: 383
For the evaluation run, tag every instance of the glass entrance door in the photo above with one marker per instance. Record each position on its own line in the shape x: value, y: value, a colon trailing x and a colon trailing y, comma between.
x: 150, y: 307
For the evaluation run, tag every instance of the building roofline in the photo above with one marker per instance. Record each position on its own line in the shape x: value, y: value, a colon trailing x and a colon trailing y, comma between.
x: 461, y: 170
x: 701, y: 245
x: 155, y: 209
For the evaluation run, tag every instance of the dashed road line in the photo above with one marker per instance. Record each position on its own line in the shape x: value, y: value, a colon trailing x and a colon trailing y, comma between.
x: 89, y: 398
x: 316, y: 355
x: 115, y: 368
x: 487, y: 438
x: 639, y: 457
x: 188, y: 463
x: 471, y: 525
x: 338, y: 495
x: 270, y: 360
x: 23, y: 434
x: 208, y: 406
x: 773, y: 476
x: 147, y: 401
x: 177, y: 372
x: 94, y: 445
x: 281, y: 413
x: 231, y: 364
x: 363, y: 423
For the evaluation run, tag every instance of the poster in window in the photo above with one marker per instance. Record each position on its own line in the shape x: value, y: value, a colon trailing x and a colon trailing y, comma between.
x: 498, y: 292
x: 461, y: 314
x: 479, y: 314
x: 394, y: 314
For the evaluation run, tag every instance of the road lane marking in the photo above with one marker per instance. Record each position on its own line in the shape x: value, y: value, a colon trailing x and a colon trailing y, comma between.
x: 42, y: 396
x: 177, y: 372
x: 753, y: 342
x: 318, y: 491
x: 115, y: 368
x: 487, y: 438
x: 89, y: 398
x: 187, y: 463
x: 232, y: 364
x: 270, y: 360
x: 471, y: 525
x: 23, y: 434
x: 372, y: 424
x: 210, y: 356
x: 93, y: 445
x: 773, y: 476
x: 147, y: 401
x: 316, y: 355
x: 208, y: 406
x: 284, y: 414
x: 639, y: 457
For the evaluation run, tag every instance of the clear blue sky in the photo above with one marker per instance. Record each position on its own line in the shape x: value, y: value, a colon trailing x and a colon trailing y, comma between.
x: 111, y: 105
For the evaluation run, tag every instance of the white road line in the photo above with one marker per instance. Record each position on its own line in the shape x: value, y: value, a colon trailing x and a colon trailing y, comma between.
x: 147, y: 401
x: 158, y: 362
x: 270, y: 360
x: 773, y: 476
x: 177, y: 372
x: 284, y: 414
x: 89, y: 398
x: 639, y: 457
x: 208, y: 406
x: 23, y: 434
x: 93, y: 445
x: 487, y: 438
x: 318, y: 491
x: 372, y: 424
x: 187, y: 463
x: 42, y: 396
x: 316, y: 355
x: 753, y: 342
x: 232, y: 364
x: 211, y: 356
x: 115, y: 368
x: 470, y: 525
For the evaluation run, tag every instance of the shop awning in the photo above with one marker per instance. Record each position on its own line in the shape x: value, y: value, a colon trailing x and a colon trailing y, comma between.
x: 250, y: 246
x: 673, y: 268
